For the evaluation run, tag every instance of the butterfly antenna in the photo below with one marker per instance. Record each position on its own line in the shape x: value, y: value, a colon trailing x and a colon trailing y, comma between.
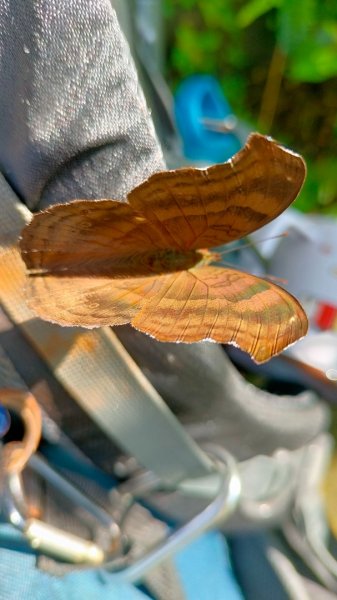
x: 253, y: 244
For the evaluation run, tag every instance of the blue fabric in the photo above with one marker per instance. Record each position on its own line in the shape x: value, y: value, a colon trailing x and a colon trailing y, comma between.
x: 205, y: 570
x: 20, y: 580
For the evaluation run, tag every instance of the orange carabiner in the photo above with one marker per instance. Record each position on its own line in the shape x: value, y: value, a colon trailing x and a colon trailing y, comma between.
x: 16, y: 454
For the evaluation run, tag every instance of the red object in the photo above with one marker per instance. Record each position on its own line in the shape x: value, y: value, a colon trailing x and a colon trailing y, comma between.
x: 326, y: 316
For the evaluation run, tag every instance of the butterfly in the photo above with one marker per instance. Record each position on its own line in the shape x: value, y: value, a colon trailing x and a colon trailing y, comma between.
x: 145, y: 261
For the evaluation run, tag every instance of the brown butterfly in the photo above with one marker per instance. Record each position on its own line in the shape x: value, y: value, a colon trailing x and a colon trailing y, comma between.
x: 103, y: 262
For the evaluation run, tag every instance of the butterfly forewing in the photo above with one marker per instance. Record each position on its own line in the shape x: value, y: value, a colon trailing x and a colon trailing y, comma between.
x: 87, y: 234
x: 198, y: 208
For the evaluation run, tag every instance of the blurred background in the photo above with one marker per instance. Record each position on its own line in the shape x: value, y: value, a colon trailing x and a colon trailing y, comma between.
x: 276, y: 62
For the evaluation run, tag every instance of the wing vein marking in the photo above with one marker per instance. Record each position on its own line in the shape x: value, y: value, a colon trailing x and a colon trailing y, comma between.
x: 213, y: 324
x: 132, y: 290
x: 206, y: 304
x: 119, y: 239
x: 114, y: 241
x: 215, y: 318
x: 165, y: 293
x: 185, y: 328
x: 158, y: 225
x: 161, y: 293
x: 274, y: 348
x: 161, y: 225
x: 204, y: 209
x: 236, y: 331
x: 183, y: 214
x: 238, y: 179
x: 186, y: 302
x: 205, y: 174
x: 267, y: 190
x: 257, y: 336
x: 211, y: 327
x: 101, y: 287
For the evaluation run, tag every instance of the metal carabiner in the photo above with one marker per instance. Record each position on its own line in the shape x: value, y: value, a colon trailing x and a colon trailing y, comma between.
x: 58, y: 543
x: 46, y: 538
x: 43, y: 536
x: 221, y: 507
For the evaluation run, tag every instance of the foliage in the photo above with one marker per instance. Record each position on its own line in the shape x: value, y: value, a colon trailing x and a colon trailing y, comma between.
x: 277, y: 63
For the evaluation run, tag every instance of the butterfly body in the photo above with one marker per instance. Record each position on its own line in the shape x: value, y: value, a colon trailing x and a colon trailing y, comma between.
x: 143, y: 262
x: 166, y: 261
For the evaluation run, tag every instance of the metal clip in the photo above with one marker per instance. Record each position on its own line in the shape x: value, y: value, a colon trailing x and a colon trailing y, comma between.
x: 212, y: 516
x: 41, y: 535
x: 58, y: 543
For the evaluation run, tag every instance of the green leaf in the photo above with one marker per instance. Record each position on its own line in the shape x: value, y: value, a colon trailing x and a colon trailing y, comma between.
x: 218, y: 14
x: 255, y: 9
x: 314, y: 63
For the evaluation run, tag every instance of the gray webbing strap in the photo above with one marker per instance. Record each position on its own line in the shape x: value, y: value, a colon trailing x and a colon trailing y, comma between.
x: 96, y: 370
x: 141, y: 526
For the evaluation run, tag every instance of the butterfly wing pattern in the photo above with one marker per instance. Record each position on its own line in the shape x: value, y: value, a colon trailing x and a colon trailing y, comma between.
x: 223, y: 305
x: 95, y: 263
x: 203, y: 208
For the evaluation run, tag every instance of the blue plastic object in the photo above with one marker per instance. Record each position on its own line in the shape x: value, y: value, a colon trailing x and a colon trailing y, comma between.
x: 197, y: 98
x: 5, y: 421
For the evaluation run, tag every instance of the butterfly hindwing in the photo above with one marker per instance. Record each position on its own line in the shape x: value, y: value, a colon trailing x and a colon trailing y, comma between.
x: 87, y: 301
x: 226, y: 306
